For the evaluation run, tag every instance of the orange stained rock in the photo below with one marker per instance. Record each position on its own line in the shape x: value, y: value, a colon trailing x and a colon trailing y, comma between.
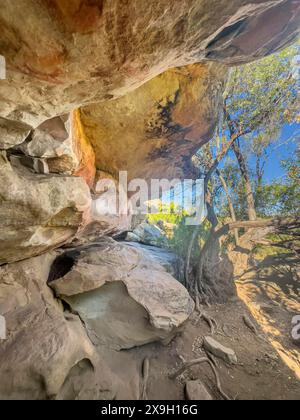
x: 81, y: 16
x: 83, y: 149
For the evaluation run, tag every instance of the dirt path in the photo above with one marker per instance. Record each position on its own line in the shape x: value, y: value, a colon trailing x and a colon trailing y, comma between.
x: 260, y: 374
x: 268, y: 360
x: 271, y: 291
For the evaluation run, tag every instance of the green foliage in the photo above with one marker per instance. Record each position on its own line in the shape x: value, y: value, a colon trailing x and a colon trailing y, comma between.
x: 167, y: 213
x: 180, y: 237
x: 261, y: 96
x: 260, y: 99
x: 281, y: 197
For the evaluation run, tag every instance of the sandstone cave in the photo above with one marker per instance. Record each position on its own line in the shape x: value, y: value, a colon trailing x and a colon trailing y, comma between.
x: 121, y: 291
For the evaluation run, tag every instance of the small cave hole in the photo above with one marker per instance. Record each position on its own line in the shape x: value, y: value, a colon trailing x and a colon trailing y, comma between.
x: 60, y: 267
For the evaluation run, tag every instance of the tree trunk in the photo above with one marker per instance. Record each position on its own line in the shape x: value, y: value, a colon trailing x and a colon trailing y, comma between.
x: 230, y: 205
x: 244, y: 171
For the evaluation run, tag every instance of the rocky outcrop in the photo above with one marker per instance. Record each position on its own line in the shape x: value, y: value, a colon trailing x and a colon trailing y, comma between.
x: 154, y: 131
x: 110, y: 218
x: 63, y: 54
x: 95, y: 85
x: 38, y: 212
x: 49, y: 140
x: 124, y: 299
x: 147, y: 234
x: 86, y: 53
x: 48, y: 352
x: 44, y: 344
x: 62, y: 147
x: 12, y: 133
x: 171, y: 262
x: 78, y: 53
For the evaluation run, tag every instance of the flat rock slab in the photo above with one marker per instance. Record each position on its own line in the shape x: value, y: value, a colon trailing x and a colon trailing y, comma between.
x: 220, y: 351
x: 196, y: 391
x: 172, y: 263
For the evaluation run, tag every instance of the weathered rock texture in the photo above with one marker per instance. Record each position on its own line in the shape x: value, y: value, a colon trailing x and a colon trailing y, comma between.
x: 61, y: 54
x: 171, y: 262
x: 109, y: 217
x: 61, y: 144
x: 147, y: 234
x: 44, y: 344
x: 12, y: 133
x: 153, y: 131
x: 38, y: 212
x: 124, y: 299
x: 66, y: 61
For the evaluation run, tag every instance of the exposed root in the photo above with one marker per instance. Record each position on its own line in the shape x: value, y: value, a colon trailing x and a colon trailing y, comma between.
x: 224, y: 333
x: 195, y: 362
x: 211, y: 358
x: 252, y: 328
x: 145, y: 376
x: 188, y: 258
x: 250, y: 324
x: 212, y: 323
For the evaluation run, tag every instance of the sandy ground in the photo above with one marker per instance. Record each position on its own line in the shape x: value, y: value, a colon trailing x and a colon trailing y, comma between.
x: 271, y: 291
x: 268, y: 360
x: 261, y: 374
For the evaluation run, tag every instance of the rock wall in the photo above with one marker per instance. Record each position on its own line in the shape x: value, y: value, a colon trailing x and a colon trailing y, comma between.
x: 38, y: 212
x: 43, y: 342
x: 61, y: 54
x: 153, y: 131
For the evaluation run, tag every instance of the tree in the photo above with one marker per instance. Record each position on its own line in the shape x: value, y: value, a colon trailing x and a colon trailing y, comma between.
x: 259, y: 99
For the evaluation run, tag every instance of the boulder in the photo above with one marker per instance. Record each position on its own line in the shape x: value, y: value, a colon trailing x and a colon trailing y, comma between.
x: 220, y: 351
x: 124, y: 298
x: 171, y: 262
x: 12, y: 133
x: 38, y: 212
x: 147, y: 234
x: 44, y: 345
x: 145, y: 87
x: 196, y: 391
x: 62, y: 145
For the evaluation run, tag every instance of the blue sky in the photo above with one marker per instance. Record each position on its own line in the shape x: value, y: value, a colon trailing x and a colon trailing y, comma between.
x: 273, y: 169
x: 285, y: 146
